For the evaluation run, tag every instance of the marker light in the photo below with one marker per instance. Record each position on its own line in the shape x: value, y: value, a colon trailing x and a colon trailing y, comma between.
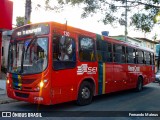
x: 45, y: 81
x: 41, y: 84
x: 37, y: 89
x: 7, y: 81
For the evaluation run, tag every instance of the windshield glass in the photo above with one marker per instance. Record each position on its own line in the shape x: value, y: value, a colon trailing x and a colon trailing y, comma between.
x: 28, y: 56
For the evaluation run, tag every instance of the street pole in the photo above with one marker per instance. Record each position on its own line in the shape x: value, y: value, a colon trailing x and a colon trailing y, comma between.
x: 126, y: 32
x: 28, y: 10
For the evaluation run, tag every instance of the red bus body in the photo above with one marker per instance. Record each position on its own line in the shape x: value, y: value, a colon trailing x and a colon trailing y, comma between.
x: 62, y: 85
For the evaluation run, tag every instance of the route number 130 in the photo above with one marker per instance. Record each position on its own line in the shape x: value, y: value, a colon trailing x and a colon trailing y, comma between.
x: 66, y: 33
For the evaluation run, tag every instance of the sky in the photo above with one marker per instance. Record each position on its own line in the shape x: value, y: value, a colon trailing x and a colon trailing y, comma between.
x: 73, y: 17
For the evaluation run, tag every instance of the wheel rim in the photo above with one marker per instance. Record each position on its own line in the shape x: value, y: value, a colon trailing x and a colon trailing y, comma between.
x: 85, y: 93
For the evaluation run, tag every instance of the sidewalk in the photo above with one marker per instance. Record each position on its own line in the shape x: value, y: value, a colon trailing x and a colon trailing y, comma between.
x: 3, y: 95
x: 3, y: 83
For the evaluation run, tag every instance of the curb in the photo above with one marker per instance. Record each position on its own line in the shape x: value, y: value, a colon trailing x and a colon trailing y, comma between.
x: 5, y: 101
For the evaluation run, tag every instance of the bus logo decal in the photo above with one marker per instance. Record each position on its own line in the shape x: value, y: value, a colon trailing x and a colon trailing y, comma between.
x: 85, y: 69
x: 133, y: 69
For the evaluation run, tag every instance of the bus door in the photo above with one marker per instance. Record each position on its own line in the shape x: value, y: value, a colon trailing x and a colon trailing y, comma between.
x: 64, y: 66
x: 152, y: 63
x: 105, y: 66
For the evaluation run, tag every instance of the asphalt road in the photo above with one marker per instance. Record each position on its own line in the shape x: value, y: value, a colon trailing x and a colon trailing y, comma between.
x: 103, y: 107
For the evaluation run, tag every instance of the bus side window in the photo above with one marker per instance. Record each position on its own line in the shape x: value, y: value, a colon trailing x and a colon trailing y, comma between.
x: 130, y: 54
x: 123, y: 56
x: 104, y: 51
x: 64, y: 52
x: 99, y: 56
x: 148, y: 58
x: 109, y: 52
x: 134, y: 55
x: 55, y: 46
x: 152, y: 59
x: 86, y: 49
x: 119, y: 53
x: 140, y: 56
x: 99, y: 53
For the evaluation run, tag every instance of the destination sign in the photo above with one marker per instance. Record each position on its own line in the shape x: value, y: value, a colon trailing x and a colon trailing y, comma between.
x: 36, y: 29
x: 31, y: 31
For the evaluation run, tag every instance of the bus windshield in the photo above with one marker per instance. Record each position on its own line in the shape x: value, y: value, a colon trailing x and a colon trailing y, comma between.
x: 28, y: 56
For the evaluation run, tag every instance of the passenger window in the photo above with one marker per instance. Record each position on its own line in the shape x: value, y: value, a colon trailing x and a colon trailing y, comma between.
x: 86, y: 49
x: 104, y: 51
x: 140, y: 57
x: 119, y: 53
x: 152, y: 59
x: 147, y: 58
x: 130, y: 55
x: 64, y: 55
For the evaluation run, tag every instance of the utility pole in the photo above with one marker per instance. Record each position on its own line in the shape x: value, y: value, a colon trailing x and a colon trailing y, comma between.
x: 28, y: 10
x: 126, y: 31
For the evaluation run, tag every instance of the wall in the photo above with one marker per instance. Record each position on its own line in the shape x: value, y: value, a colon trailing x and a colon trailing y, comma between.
x: 5, y: 44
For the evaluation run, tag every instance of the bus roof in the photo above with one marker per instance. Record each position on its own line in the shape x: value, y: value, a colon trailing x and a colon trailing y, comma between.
x: 128, y: 44
x: 87, y: 33
x: 84, y: 32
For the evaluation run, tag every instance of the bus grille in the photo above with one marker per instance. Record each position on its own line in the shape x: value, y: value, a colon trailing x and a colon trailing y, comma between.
x: 27, y: 81
x: 24, y: 81
x: 23, y: 95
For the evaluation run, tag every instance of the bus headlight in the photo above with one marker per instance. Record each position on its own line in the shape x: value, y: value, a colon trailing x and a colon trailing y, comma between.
x: 8, y: 83
x: 41, y: 84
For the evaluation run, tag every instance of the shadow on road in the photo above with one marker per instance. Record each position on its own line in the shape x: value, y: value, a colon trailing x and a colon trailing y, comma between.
x: 125, y: 94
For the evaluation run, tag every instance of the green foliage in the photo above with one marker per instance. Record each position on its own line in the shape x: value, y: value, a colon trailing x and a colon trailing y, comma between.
x: 155, y: 37
x: 143, y: 22
x: 108, y: 18
x: 155, y: 1
x: 142, y: 19
x: 19, y: 21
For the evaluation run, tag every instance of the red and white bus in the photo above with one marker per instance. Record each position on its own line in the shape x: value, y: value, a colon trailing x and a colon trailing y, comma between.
x: 50, y: 63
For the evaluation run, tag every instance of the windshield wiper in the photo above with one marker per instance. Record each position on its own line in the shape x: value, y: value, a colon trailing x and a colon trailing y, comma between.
x: 32, y: 40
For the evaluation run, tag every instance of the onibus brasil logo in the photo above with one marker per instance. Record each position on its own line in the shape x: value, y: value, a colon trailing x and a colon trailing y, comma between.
x: 85, y: 69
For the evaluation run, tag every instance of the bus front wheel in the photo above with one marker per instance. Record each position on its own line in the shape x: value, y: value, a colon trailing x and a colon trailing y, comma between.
x: 85, y: 93
x: 139, y: 86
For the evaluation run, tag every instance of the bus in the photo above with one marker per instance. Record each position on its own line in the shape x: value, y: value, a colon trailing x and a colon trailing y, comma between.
x: 51, y: 63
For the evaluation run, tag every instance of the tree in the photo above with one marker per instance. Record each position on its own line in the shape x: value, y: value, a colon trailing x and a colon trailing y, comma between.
x: 19, y: 21
x: 142, y: 12
x: 28, y: 10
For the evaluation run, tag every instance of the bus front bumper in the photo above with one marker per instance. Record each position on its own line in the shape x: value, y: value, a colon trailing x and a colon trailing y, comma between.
x: 32, y: 97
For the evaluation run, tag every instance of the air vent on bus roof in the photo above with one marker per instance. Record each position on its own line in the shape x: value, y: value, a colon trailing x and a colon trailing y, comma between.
x: 105, y: 33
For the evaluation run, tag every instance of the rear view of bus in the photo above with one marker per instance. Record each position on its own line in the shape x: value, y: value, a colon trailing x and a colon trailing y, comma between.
x: 27, y: 64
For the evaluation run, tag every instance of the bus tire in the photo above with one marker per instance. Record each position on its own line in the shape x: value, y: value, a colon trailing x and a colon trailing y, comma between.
x: 139, y: 86
x: 85, y: 93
